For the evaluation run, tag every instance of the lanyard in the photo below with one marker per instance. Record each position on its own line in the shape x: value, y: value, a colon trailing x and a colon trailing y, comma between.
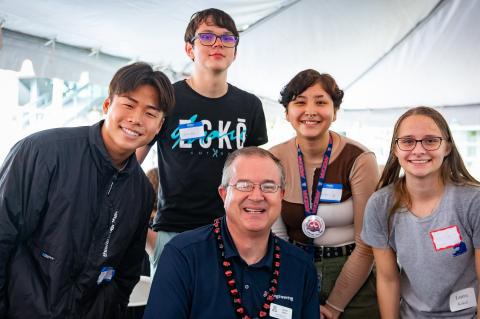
x: 303, y: 179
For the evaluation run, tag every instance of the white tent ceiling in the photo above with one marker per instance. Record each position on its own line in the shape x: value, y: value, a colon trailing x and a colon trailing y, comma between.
x: 385, y: 53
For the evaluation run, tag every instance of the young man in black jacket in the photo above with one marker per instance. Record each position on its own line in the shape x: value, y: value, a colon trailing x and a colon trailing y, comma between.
x: 74, y: 207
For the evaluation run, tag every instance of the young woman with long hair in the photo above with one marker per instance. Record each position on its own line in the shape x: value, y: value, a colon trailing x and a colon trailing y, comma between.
x: 424, y: 224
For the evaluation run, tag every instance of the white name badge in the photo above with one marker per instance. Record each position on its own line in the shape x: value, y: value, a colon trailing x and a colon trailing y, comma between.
x: 106, y: 274
x: 446, y: 237
x: 280, y: 312
x: 331, y: 193
x: 191, y: 130
x: 463, y: 299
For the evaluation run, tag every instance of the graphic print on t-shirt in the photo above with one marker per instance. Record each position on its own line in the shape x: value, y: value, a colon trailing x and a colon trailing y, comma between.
x: 220, y: 137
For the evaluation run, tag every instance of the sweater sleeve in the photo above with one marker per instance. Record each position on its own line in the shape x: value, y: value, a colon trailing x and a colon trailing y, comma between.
x: 24, y: 180
x: 279, y: 228
x: 363, y: 179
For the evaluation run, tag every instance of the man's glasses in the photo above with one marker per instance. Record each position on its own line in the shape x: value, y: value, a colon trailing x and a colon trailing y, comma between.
x: 428, y: 143
x: 209, y: 39
x: 248, y: 186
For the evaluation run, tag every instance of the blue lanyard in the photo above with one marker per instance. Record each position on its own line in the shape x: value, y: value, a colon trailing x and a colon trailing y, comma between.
x: 312, y: 209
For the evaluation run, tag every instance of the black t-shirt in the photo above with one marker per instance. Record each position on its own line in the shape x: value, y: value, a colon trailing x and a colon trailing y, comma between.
x: 190, y: 170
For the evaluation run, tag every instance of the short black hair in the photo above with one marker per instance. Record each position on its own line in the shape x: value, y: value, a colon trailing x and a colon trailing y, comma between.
x: 130, y: 77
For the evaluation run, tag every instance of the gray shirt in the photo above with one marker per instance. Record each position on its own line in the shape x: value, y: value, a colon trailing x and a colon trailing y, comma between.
x: 429, y: 275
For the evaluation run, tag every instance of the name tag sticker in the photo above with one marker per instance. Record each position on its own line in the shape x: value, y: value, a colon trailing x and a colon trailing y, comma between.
x: 191, y: 130
x: 446, y: 237
x: 280, y: 312
x: 106, y: 274
x: 331, y: 193
x: 462, y: 299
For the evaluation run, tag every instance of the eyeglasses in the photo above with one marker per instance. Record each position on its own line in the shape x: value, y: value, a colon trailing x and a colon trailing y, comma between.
x: 248, y: 186
x: 209, y: 39
x: 428, y: 143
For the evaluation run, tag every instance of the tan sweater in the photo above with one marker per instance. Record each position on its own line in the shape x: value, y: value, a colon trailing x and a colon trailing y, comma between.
x: 353, y: 166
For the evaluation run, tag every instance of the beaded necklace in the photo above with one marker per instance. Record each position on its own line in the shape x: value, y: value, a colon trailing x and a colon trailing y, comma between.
x: 230, y: 278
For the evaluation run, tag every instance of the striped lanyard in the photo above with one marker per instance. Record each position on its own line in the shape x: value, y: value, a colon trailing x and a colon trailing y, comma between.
x: 309, y: 210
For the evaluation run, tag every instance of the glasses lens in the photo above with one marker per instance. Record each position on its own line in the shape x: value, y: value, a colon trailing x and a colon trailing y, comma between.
x: 406, y: 144
x: 228, y: 40
x: 207, y: 38
x: 431, y: 143
x: 244, y: 186
x: 268, y: 187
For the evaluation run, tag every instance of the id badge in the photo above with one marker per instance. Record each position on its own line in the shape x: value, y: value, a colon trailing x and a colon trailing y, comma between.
x: 190, y: 131
x: 462, y: 299
x: 106, y: 274
x: 331, y: 193
x: 445, y: 238
x: 280, y: 312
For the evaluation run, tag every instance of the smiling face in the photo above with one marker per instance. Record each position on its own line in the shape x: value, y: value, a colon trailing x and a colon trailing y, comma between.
x: 216, y: 58
x: 132, y: 120
x: 311, y: 113
x: 420, y: 163
x: 252, y: 213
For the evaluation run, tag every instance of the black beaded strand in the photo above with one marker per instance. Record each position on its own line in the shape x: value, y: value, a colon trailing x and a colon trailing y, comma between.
x: 228, y: 272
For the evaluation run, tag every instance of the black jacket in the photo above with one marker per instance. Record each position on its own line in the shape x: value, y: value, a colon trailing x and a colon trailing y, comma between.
x: 65, y: 213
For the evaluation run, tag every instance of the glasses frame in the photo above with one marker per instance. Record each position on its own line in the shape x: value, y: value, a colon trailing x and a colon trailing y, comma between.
x: 256, y: 184
x: 421, y: 143
x: 216, y: 37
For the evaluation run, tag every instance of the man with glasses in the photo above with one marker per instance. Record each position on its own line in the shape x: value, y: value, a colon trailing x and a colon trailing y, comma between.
x: 235, y: 267
x: 211, y: 119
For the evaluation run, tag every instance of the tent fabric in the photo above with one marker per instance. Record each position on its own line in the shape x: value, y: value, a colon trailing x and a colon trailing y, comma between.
x: 56, y: 60
x: 394, y: 53
x: 437, y: 65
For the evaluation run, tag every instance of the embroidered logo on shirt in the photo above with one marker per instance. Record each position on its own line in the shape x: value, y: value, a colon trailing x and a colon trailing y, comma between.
x: 110, y: 231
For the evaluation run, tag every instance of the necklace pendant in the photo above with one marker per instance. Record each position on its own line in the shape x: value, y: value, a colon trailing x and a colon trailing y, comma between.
x: 313, y: 226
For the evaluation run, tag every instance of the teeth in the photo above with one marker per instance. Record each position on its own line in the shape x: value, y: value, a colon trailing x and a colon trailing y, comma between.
x: 419, y: 161
x: 130, y: 132
x: 254, y: 211
x: 310, y: 122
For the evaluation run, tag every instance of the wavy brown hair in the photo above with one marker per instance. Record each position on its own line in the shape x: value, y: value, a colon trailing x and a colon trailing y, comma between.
x: 453, y: 169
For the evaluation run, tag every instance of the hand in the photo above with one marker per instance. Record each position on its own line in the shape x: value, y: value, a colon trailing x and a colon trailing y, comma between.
x: 327, y: 312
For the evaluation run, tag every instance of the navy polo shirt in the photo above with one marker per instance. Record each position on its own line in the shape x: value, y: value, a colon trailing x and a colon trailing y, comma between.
x: 190, y: 283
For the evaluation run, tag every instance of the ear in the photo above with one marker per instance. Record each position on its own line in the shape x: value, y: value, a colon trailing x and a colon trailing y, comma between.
x: 106, y: 105
x: 189, y: 50
x: 161, y: 123
x: 334, y: 114
x: 395, y: 151
x: 286, y: 114
x: 222, y: 191
x: 448, y: 149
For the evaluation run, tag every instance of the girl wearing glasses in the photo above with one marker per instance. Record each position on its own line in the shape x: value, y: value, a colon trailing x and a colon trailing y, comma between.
x: 427, y: 219
x: 329, y: 179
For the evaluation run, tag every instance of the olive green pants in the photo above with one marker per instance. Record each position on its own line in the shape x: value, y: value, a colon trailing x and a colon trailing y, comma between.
x: 363, y: 305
